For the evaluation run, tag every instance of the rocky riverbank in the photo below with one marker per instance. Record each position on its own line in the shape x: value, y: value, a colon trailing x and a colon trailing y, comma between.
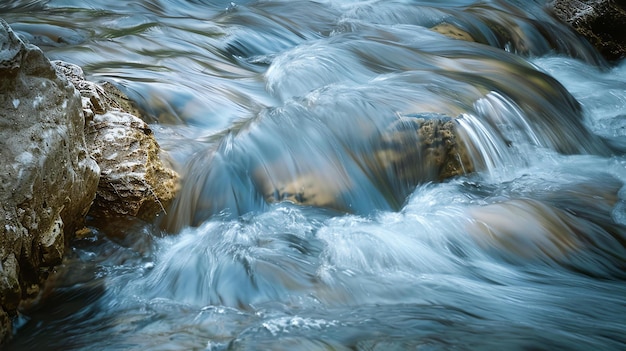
x: 65, y: 144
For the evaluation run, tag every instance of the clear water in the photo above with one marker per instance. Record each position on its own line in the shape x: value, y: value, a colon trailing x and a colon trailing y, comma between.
x: 526, y: 253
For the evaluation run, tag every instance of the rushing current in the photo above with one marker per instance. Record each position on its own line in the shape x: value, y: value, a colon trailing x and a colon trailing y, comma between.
x: 357, y: 175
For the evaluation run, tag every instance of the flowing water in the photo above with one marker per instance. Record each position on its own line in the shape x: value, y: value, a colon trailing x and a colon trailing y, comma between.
x: 316, y: 212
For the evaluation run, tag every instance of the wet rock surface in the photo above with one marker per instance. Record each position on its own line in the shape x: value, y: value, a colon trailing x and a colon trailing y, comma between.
x: 438, y: 150
x: 134, y: 180
x: 65, y: 143
x: 602, y: 22
x: 412, y: 150
x: 47, y: 178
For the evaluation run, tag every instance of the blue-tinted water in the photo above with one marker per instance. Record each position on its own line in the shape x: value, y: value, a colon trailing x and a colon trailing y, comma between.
x: 303, y: 224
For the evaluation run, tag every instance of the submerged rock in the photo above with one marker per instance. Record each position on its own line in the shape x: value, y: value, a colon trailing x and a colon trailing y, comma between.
x: 134, y: 180
x: 602, y: 22
x: 438, y: 149
x: 506, y: 26
x: 412, y: 150
x: 570, y: 225
x: 47, y: 178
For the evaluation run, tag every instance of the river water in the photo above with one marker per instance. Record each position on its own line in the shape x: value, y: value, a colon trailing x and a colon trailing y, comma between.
x: 308, y: 219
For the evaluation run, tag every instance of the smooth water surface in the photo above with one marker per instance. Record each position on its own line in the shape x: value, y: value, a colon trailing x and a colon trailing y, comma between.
x: 316, y: 212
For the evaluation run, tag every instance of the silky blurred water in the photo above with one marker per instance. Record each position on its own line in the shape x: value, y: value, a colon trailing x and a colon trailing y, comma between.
x: 308, y: 219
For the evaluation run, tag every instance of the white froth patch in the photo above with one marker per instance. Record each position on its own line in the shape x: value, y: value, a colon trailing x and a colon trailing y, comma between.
x: 285, y: 324
x: 25, y: 157
x: 37, y: 101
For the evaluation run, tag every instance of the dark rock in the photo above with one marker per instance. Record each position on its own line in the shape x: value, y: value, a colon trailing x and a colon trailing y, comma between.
x: 601, y: 22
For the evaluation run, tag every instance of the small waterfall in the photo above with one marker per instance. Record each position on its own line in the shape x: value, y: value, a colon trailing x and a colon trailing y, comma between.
x: 340, y: 140
x: 357, y: 175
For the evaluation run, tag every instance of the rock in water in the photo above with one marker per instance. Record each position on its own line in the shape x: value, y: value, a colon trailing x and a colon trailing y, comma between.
x: 134, y: 179
x: 602, y: 22
x: 411, y: 150
x: 47, y: 178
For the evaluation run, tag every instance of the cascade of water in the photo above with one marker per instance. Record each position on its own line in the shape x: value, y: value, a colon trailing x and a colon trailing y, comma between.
x: 358, y: 175
x: 334, y: 142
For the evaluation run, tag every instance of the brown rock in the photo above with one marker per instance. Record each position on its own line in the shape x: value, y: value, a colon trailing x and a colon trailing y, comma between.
x: 418, y: 149
x: 452, y: 31
x: 412, y: 150
x: 134, y: 180
x: 47, y: 179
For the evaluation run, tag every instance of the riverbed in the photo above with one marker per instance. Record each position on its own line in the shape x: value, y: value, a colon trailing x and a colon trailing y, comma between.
x: 289, y: 235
